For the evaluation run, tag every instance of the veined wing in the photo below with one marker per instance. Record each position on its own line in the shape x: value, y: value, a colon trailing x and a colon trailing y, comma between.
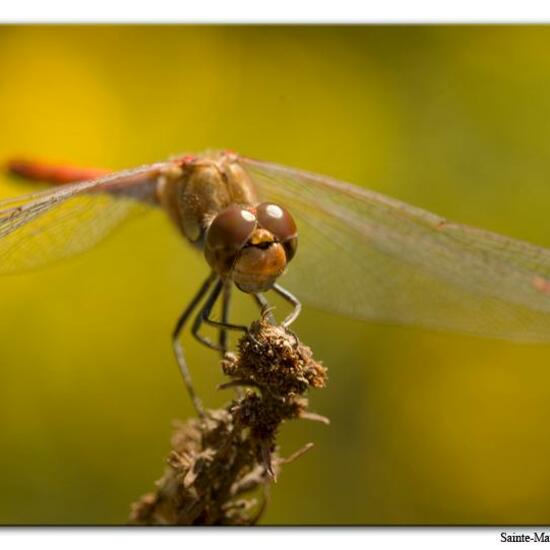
x: 39, y: 228
x: 369, y: 256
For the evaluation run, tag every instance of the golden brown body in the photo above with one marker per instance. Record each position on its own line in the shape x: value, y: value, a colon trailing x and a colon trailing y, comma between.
x: 214, y: 203
x: 198, y: 189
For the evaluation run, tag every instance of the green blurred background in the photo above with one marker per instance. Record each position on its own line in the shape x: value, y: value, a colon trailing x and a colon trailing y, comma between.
x: 426, y: 427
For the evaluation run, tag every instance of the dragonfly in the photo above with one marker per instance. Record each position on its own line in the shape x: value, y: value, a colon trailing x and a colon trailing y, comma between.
x: 361, y: 254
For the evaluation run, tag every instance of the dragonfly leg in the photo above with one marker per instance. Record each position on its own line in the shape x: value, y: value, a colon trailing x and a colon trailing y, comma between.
x: 226, y: 306
x: 204, y: 317
x: 264, y: 306
x: 178, y: 349
x: 289, y: 297
x: 205, y: 312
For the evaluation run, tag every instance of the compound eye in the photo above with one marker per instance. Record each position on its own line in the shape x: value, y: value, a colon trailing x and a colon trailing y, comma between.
x: 290, y: 247
x: 231, y: 229
x: 277, y: 220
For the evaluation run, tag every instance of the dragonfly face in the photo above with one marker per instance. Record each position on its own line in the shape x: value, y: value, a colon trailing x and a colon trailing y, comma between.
x: 252, y: 246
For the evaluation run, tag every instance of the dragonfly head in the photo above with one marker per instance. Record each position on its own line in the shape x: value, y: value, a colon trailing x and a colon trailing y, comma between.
x: 252, y: 246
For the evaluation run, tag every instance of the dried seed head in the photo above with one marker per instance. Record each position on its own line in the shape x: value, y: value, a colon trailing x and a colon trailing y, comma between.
x: 218, y: 461
x: 272, y: 357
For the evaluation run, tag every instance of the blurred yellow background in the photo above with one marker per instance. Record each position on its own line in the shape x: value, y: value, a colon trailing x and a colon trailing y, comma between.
x: 427, y: 428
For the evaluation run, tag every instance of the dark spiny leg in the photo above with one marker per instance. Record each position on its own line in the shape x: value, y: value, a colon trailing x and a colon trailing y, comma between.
x: 265, y: 308
x: 204, y: 317
x: 289, y: 297
x: 226, y: 305
x: 204, y: 313
x: 178, y: 349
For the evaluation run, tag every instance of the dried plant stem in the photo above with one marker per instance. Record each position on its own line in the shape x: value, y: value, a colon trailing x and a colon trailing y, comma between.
x: 218, y: 465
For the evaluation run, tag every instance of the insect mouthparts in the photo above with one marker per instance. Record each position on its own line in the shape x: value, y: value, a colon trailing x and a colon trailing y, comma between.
x: 264, y: 245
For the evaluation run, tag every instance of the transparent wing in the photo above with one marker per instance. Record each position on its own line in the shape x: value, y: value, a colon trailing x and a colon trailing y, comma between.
x: 368, y: 256
x: 43, y: 227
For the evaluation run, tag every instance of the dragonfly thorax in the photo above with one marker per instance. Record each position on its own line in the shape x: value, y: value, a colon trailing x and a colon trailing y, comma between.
x: 199, y: 188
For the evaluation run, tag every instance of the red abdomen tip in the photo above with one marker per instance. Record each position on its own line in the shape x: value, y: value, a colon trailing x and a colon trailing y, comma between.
x: 50, y: 173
